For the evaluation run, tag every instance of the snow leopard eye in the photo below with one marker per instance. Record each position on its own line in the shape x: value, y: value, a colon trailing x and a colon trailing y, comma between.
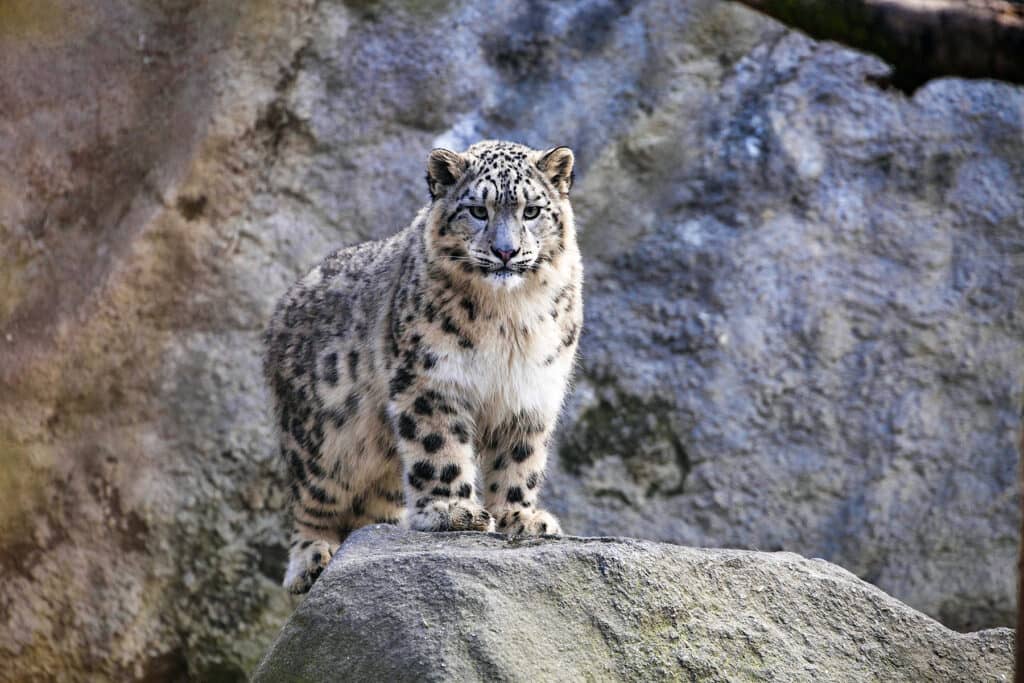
x: 531, y: 212
x: 478, y: 212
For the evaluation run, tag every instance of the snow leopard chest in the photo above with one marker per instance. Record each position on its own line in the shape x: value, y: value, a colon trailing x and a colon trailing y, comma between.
x: 514, y: 366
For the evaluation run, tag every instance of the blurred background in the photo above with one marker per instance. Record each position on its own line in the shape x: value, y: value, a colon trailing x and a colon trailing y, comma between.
x: 804, y: 310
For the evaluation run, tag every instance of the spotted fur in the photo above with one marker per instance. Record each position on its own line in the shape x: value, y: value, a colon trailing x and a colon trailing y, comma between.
x: 417, y: 379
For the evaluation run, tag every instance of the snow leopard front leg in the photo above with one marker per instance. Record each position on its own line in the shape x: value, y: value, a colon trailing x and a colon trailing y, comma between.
x: 433, y: 431
x: 514, y: 455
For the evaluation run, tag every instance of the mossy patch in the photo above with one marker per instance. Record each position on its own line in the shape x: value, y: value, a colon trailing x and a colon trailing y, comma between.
x: 36, y: 19
x: 642, y: 432
x: 24, y: 478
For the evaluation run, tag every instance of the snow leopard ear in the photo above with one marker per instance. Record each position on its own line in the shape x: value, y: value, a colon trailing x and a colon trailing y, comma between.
x: 557, y: 167
x: 444, y: 168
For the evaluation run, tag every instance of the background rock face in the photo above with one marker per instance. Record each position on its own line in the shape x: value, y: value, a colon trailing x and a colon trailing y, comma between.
x: 804, y: 328
x: 469, y: 607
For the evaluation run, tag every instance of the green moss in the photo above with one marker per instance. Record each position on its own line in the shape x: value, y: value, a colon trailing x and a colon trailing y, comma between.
x: 32, y: 19
x: 24, y: 478
x: 417, y: 8
x: 642, y: 432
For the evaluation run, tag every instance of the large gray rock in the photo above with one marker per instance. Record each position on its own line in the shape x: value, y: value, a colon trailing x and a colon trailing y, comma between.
x: 406, y: 606
x: 806, y: 325
x: 804, y: 321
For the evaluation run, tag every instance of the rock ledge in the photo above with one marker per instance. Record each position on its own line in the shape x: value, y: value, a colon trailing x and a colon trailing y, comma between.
x: 401, y: 605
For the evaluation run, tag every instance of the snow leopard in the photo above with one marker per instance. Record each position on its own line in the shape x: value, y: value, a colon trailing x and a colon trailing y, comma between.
x: 417, y: 379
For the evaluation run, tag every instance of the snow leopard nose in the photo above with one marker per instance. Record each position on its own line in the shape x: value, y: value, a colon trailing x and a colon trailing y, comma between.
x: 504, y: 254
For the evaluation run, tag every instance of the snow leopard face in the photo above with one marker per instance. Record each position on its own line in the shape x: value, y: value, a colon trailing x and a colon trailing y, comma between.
x: 500, y: 210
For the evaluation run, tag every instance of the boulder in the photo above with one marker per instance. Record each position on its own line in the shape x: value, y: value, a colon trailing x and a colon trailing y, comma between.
x: 407, y: 606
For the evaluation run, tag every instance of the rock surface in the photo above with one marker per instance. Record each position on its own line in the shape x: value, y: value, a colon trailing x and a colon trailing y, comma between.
x: 406, y: 606
x: 805, y: 327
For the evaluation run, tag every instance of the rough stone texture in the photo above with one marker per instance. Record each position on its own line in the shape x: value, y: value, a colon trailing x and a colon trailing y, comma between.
x: 812, y: 336
x: 805, y: 326
x: 408, y: 606
x: 140, y: 534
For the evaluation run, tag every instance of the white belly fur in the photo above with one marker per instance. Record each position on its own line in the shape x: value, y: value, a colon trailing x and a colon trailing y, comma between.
x: 505, y: 374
